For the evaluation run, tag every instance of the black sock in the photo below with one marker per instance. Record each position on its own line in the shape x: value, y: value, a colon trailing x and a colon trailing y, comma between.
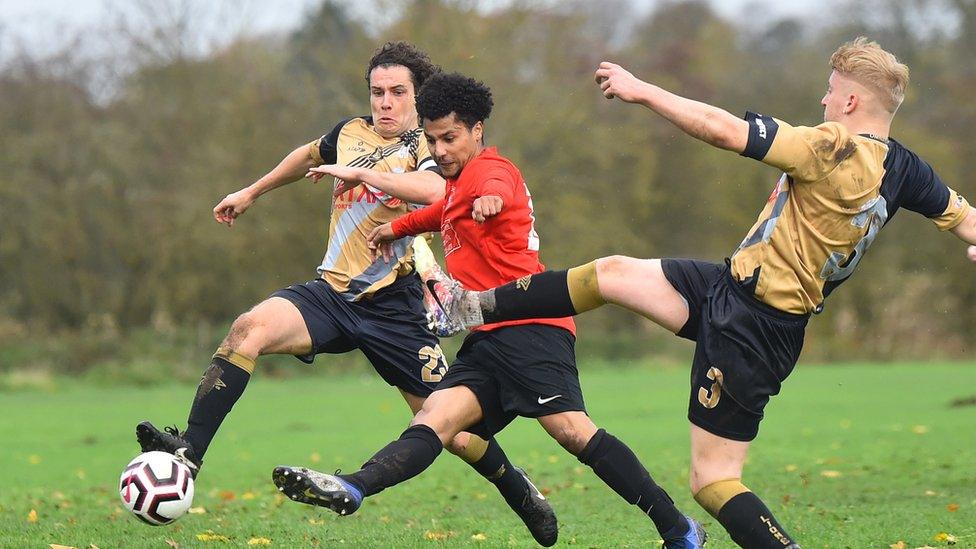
x: 402, y: 459
x: 620, y: 469
x: 543, y: 295
x: 222, y: 384
x: 751, y: 525
x: 495, y: 467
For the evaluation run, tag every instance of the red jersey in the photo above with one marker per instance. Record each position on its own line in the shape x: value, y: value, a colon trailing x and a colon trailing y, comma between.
x: 482, y: 256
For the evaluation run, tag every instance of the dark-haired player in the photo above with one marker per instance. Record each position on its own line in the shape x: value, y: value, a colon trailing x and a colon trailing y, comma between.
x: 503, y: 370
x: 357, y: 301
x: 843, y: 181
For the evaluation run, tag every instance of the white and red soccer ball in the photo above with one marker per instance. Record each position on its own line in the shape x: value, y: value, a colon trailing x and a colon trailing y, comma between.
x: 156, y: 487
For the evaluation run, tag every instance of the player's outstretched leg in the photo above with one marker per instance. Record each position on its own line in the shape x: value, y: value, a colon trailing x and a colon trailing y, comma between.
x: 639, y: 285
x: 273, y: 326
x: 550, y: 294
x: 221, y: 386
x: 617, y: 466
x: 400, y: 460
x: 447, y: 411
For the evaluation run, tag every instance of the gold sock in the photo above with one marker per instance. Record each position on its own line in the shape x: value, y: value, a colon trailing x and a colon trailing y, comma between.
x: 235, y: 358
x: 474, y: 450
x: 714, y: 496
x: 584, y: 290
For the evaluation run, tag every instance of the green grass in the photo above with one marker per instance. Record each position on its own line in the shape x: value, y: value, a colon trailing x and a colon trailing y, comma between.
x: 897, y: 457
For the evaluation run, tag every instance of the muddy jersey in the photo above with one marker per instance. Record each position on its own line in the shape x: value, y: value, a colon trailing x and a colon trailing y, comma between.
x: 348, y: 265
x: 837, y: 191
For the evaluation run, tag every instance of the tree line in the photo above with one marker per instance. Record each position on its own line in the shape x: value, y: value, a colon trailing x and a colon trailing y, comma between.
x: 106, y: 195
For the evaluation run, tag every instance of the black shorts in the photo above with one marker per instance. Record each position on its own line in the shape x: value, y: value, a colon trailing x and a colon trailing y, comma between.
x: 745, y: 348
x: 526, y: 370
x: 390, y: 328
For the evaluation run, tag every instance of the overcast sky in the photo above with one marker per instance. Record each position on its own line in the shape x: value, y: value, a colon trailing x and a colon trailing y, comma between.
x: 39, y: 24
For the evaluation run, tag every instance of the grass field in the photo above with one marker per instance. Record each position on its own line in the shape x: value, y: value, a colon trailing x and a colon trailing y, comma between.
x: 853, y: 456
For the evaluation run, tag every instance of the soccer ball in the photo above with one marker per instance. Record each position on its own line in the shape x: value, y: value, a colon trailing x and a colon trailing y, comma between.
x: 156, y: 487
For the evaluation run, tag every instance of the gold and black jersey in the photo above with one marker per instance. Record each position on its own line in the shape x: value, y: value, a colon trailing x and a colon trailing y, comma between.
x: 348, y: 265
x: 837, y: 191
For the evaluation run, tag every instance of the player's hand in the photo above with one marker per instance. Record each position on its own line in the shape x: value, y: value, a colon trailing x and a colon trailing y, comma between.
x: 485, y: 207
x: 379, y: 241
x: 318, y: 172
x: 348, y: 177
x: 232, y: 206
x: 616, y: 81
x: 971, y: 253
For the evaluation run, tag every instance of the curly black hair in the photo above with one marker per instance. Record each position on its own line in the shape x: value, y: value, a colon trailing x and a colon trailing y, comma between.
x: 406, y: 55
x: 444, y: 93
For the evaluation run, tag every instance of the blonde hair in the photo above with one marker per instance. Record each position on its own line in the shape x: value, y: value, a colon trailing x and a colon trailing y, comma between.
x: 866, y: 62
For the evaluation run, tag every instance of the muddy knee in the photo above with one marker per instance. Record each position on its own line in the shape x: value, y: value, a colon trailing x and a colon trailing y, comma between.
x: 239, y: 331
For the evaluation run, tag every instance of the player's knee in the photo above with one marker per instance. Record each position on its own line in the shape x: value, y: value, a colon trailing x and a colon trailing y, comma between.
x: 441, y: 428
x: 245, y: 335
x: 570, y: 438
x: 612, y: 268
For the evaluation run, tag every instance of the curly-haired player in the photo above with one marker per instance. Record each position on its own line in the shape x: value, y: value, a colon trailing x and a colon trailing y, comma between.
x: 503, y: 370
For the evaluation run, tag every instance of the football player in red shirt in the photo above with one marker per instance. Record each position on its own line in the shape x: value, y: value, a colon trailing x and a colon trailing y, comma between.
x: 503, y: 370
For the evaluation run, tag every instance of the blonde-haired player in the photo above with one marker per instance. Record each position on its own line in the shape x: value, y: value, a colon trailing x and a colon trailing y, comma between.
x: 842, y: 181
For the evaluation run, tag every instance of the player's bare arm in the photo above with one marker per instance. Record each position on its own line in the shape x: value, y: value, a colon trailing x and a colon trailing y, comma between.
x: 486, y: 206
x: 419, y: 187
x: 712, y: 125
x: 290, y: 169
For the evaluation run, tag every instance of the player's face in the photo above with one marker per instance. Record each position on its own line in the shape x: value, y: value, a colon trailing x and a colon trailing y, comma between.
x: 391, y: 100
x: 835, y: 101
x: 452, y: 143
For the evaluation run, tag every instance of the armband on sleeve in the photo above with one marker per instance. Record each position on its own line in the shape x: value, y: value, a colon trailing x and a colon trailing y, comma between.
x: 762, y: 132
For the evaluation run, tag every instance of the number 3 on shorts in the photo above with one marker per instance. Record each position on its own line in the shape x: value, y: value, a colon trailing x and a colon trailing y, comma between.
x: 709, y: 397
x: 434, y: 364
